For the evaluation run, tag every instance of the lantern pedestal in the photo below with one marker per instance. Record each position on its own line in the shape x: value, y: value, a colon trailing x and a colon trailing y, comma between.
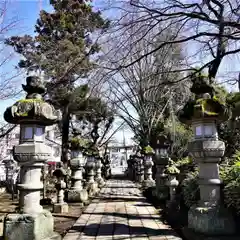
x: 32, y: 222
x: 98, y: 177
x: 27, y: 226
x: 76, y: 193
x: 161, y: 190
x: 77, y: 196
x: 60, y: 207
x: 211, y: 220
x: 209, y: 216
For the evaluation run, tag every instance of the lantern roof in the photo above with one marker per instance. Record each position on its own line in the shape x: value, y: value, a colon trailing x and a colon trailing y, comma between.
x: 33, y: 109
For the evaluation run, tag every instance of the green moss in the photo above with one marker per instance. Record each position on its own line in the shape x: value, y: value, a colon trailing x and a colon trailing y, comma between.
x: 18, y: 103
x: 208, y: 107
x: 29, y: 100
x: 171, y: 168
x: 184, y: 162
x: 25, y: 114
x: 203, y: 209
x: 148, y: 150
x: 78, y: 143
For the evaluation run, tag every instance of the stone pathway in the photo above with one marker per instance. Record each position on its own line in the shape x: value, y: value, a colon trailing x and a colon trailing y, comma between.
x: 120, y: 212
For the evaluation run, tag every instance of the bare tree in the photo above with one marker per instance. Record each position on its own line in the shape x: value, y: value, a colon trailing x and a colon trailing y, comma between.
x: 140, y: 91
x: 209, y: 30
x: 9, y: 79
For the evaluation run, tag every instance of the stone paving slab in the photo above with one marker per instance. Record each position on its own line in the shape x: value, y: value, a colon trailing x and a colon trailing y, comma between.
x: 120, y: 212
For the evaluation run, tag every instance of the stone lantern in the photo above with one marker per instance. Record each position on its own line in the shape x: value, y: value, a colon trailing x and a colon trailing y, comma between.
x: 134, y: 167
x: 91, y: 184
x: 98, y: 167
x: 161, y: 161
x: 130, y: 167
x: 60, y: 206
x: 139, y: 168
x: 172, y: 182
x: 148, y: 164
x: 33, y: 114
x: 203, y: 113
x: 76, y: 193
x: 107, y: 167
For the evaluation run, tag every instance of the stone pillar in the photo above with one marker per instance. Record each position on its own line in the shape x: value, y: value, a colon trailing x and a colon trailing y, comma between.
x: 98, y: 169
x: 76, y: 193
x: 209, y: 215
x: 148, y: 164
x: 33, y: 114
x: 91, y: 185
x: 60, y: 206
x: 161, y: 160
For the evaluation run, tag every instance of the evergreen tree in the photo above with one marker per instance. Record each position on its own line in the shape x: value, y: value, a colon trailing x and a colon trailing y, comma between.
x: 62, y: 50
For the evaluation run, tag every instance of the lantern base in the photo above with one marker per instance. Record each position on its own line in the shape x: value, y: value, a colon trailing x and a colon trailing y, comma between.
x: 80, y: 196
x: 100, y: 182
x: 27, y: 226
x: 161, y: 193
x: 140, y: 178
x: 148, y: 183
x: 214, y: 220
x: 92, y: 188
x: 60, y: 208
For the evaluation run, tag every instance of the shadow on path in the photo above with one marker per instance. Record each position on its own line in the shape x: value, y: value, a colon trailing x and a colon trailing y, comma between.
x: 123, y: 215
x: 121, y: 229
x: 119, y: 176
x: 121, y: 199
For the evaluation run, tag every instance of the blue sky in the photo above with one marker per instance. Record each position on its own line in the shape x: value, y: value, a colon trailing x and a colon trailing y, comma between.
x: 26, y: 13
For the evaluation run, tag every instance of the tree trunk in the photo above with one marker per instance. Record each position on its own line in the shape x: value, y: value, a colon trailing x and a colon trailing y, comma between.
x: 65, y: 134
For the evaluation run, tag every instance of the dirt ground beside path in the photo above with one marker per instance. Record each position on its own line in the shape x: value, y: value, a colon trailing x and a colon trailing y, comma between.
x: 62, y: 222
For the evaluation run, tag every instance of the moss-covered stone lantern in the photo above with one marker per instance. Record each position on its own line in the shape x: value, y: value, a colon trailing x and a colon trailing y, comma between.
x: 161, y: 161
x: 148, y: 164
x: 203, y: 113
x: 33, y: 114
x: 78, y: 161
x: 91, y: 184
x: 139, y: 167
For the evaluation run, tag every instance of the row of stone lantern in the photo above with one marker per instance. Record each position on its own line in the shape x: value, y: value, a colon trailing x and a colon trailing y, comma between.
x: 208, y: 216
x: 81, y: 189
x: 140, y: 170
x: 34, y: 114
